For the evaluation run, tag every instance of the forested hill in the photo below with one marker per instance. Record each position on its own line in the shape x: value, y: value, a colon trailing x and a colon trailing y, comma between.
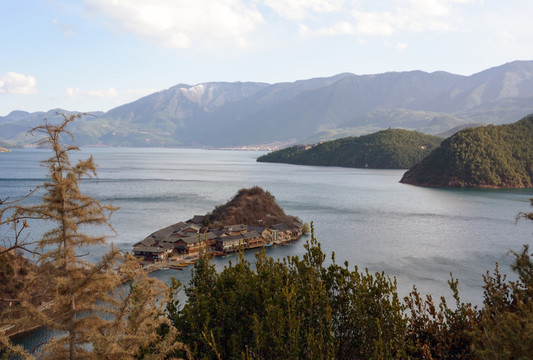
x: 484, y: 157
x: 386, y: 149
x: 253, y: 206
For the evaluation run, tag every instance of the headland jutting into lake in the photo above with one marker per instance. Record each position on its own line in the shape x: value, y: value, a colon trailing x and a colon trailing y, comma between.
x: 252, y: 219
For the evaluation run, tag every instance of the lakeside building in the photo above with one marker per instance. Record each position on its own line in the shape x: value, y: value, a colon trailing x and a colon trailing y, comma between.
x: 192, y: 238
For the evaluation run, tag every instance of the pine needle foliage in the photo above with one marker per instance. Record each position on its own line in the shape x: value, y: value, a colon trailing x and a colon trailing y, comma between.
x: 77, y: 290
x: 104, y: 310
x: 292, y: 308
x: 64, y: 204
x: 506, y: 319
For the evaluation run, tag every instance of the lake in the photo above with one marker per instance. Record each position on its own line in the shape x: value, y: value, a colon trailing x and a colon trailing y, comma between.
x: 419, y: 235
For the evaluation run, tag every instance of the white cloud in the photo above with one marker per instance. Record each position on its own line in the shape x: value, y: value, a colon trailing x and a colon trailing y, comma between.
x: 304, y: 30
x: 13, y: 83
x: 374, y: 23
x: 106, y: 93
x: 72, y: 92
x: 76, y: 92
x: 392, y: 17
x: 138, y: 92
x: 180, y: 23
x: 410, y: 15
x: 300, y: 9
x: 340, y: 28
x: 429, y: 7
x: 401, y: 46
x: 66, y: 29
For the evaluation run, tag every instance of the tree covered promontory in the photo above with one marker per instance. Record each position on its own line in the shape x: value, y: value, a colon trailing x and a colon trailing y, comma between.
x: 484, y: 157
x: 253, y: 206
x: 386, y: 149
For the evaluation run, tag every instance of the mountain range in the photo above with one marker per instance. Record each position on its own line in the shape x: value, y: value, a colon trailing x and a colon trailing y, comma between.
x: 218, y: 114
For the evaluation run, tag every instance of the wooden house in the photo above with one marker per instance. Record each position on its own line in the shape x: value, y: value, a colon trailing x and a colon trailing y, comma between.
x: 196, y: 219
x: 162, y: 233
x: 261, y: 230
x: 190, y: 229
x: 190, y: 245
x: 145, y: 242
x: 253, y: 239
x: 151, y: 253
x: 229, y: 243
x: 280, y: 232
x: 235, y: 229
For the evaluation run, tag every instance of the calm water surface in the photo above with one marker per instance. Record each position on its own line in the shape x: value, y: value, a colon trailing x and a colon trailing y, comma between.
x: 419, y: 235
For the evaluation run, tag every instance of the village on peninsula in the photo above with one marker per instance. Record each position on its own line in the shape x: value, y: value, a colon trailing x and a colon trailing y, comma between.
x: 252, y: 219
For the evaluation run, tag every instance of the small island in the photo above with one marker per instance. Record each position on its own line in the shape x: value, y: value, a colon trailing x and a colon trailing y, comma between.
x: 252, y: 219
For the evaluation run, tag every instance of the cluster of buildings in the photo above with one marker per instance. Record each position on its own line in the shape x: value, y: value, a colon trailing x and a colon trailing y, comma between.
x: 192, y: 237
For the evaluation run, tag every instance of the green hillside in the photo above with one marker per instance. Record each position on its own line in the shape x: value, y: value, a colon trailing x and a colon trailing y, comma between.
x: 485, y: 157
x: 386, y: 149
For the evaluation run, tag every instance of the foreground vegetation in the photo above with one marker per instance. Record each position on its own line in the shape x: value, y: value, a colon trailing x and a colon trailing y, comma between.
x: 488, y: 157
x: 386, y: 149
x: 301, y: 309
x: 290, y: 308
x: 97, y: 316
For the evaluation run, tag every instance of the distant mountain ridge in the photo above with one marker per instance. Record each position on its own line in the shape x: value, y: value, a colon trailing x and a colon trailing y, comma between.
x: 220, y: 114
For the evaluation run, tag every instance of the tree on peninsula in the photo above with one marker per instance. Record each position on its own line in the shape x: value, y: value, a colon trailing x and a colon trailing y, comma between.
x: 97, y: 317
x: 385, y: 149
x: 484, y: 157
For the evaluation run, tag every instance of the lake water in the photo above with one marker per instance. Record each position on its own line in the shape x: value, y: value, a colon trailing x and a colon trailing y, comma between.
x: 419, y: 235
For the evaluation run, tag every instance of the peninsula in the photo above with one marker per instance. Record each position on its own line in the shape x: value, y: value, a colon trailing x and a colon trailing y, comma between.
x: 252, y: 219
x: 483, y: 157
x: 386, y: 149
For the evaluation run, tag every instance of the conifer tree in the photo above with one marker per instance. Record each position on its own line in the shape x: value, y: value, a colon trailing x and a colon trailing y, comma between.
x: 20, y: 239
x: 76, y: 289
x: 291, y: 308
x: 506, y: 320
x: 96, y: 315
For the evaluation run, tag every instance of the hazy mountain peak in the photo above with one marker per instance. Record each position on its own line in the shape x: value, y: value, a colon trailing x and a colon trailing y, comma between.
x: 194, y: 93
x: 17, y: 114
x: 241, y: 113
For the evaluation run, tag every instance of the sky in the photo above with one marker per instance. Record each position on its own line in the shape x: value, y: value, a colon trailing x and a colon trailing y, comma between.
x: 94, y: 55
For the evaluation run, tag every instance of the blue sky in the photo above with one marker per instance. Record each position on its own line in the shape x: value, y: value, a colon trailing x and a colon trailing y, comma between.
x: 90, y: 55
